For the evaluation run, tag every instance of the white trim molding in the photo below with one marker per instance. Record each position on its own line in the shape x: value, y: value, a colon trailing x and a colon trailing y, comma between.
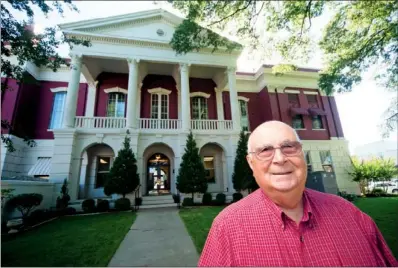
x: 310, y: 92
x: 59, y: 89
x: 199, y: 94
x: 243, y: 98
x: 159, y: 90
x: 116, y: 89
x: 292, y: 91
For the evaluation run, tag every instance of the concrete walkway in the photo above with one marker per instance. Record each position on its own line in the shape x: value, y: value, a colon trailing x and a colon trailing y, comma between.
x: 157, y: 238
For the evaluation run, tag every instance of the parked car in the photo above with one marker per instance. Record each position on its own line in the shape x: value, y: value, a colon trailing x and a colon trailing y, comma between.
x: 389, y: 186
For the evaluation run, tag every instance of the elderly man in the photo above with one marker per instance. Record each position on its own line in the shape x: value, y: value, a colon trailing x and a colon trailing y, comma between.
x: 285, y: 224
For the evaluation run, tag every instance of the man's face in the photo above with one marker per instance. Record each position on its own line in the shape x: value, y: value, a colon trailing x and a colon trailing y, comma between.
x: 280, y: 170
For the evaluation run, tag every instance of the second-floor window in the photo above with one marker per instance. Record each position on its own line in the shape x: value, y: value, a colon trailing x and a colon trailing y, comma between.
x: 199, y: 108
x: 57, y: 113
x: 244, y: 115
x: 298, y: 122
x: 161, y: 112
x: 116, y: 105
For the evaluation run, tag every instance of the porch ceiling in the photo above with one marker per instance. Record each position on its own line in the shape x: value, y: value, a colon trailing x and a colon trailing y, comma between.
x: 95, y: 66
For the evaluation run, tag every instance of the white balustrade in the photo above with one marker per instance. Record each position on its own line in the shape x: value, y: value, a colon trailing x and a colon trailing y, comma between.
x: 150, y: 123
x: 100, y: 122
x: 211, y: 125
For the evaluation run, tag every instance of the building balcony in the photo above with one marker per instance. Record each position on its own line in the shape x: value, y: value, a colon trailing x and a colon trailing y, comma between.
x: 150, y: 125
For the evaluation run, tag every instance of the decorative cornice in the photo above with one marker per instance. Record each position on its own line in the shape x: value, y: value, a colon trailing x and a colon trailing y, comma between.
x: 58, y: 89
x: 199, y: 94
x: 115, y: 90
x: 243, y: 98
x: 159, y: 90
x: 146, y: 43
x: 122, y: 25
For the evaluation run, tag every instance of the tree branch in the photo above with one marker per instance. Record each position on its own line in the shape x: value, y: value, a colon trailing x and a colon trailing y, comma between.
x: 307, y: 11
x: 234, y: 13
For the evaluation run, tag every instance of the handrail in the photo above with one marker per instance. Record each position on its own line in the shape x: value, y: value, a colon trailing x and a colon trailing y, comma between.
x: 136, y: 196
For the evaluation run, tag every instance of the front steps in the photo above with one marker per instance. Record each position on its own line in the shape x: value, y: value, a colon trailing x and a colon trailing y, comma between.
x: 157, y: 201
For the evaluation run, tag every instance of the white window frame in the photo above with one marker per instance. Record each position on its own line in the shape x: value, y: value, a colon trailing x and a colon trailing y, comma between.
x: 60, y: 110
x: 245, y: 100
x: 200, y: 108
x: 117, y: 94
x: 159, y: 92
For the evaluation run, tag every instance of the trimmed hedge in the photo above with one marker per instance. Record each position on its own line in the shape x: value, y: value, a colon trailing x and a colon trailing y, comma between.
x: 122, y: 204
x: 102, y: 205
x: 207, y: 199
x: 88, y: 205
x: 236, y: 197
x: 187, y: 202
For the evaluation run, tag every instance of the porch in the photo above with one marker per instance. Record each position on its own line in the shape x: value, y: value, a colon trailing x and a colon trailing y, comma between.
x: 83, y: 122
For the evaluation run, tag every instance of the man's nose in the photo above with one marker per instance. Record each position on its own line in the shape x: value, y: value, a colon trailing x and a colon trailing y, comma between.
x: 279, y: 157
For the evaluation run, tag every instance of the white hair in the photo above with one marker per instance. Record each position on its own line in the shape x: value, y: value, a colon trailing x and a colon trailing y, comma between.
x: 249, y: 149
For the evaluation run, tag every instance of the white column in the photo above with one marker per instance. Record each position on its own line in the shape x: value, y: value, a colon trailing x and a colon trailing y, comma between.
x: 131, y: 120
x: 91, y: 94
x: 220, y: 107
x: 138, y: 112
x: 73, y: 90
x: 185, y: 101
x: 233, y: 97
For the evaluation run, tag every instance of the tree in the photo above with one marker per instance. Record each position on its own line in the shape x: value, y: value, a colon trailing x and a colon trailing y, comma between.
x: 25, y: 203
x: 387, y: 170
x: 242, y: 177
x: 63, y: 200
x: 19, y: 41
x: 123, y: 177
x: 191, y: 174
x: 359, y: 34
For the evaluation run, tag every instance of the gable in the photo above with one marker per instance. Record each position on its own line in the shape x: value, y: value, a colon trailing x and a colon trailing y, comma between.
x: 157, y: 30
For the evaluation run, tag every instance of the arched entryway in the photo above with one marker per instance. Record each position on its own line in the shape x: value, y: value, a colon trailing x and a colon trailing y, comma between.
x: 213, y: 157
x: 158, y: 175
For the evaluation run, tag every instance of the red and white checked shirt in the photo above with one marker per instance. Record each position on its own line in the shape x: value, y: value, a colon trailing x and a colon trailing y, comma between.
x: 332, y: 232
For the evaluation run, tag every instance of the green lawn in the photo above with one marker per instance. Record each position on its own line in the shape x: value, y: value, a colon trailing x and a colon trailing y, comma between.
x: 69, y: 241
x: 383, y: 210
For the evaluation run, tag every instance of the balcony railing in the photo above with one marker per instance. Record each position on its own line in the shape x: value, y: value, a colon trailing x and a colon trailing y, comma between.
x: 211, y: 124
x: 100, y: 122
x: 150, y: 124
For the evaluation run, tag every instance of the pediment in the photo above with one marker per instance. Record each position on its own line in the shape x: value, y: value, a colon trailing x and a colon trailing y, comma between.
x: 154, y: 26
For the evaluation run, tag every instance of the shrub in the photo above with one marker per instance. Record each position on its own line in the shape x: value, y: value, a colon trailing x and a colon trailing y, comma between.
x: 69, y: 211
x: 220, y: 199
x: 25, y: 203
x: 349, y: 197
x: 122, y: 204
x: 102, y: 205
x: 207, y: 199
x: 188, y: 201
x: 236, y: 197
x: 37, y: 216
x: 88, y: 205
x: 63, y: 200
x: 176, y: 198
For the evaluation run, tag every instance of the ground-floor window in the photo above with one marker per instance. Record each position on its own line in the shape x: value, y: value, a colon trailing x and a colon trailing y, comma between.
x: 326, y: 160
x: 209, y: 169
x: 103, y: 167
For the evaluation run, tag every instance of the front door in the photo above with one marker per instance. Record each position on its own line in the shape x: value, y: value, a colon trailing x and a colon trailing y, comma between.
x: 158, y: 180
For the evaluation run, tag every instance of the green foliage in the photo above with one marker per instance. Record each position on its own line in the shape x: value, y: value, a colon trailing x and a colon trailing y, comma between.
x: 122, y: 204
x: 18, y: 40
x: 88, y: 205
x: 347, y: 196
x: 220, y: 199
x: 242, y: 177
x: 236, y: 197
x: 187, y: 201
x: 191, y: 174
x: 102, y: 205
x: 25, y: 203
x: 207, y: 199
x: 359, y: 34
x: 63, y: 200
x: 123, y: 177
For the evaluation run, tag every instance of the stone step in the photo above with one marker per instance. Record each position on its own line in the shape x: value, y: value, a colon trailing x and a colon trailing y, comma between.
x: 154, y: 202
x: 157, y: 206
x: 157, y: 197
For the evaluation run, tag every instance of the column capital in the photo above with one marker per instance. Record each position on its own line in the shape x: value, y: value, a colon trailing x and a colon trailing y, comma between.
x: 93, y: 84
x: 218, y: 90
x: 133, y: 60
x: 276, y: 88
x: 231, y: 69
x: 184, y: 67
x: 76, y: 60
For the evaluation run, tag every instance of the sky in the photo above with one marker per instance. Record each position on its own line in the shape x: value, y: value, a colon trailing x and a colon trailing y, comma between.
x: 360, y: 110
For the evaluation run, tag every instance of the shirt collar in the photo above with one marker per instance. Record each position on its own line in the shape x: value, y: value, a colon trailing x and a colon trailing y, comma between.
x: 307, y: 209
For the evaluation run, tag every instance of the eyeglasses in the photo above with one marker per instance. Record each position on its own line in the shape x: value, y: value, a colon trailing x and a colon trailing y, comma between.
x: 289, y: 149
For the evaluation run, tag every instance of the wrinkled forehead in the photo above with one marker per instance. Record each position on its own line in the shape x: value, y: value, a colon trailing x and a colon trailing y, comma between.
x: 272, y: 136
